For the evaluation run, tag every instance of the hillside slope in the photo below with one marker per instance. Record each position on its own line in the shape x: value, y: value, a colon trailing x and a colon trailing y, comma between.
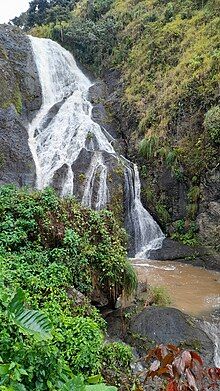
x: 167, y: 99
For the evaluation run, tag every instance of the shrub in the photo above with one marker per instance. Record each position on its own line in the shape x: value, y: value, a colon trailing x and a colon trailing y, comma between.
x: 159, y: 296
x: 117, y: 356
x: 49, y: 248
x: 212, y: 123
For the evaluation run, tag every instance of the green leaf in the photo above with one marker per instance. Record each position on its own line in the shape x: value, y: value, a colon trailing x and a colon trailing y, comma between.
x: 94, y: 379
x: 4, y: 369
x: 100, y: 387
x: 17, y: 303
x: 77, y: 384
x: 31, y: 322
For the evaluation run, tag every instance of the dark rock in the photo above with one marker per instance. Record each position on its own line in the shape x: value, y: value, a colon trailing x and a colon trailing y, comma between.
x: 173, y: 250
x: 59, y: 178
x: 101, y: 95
x: 209, y: 224
x: 210, y: 188
x: 99, y: 298
x: 196, y: 256
x: 77, y: 297
x: 169, y: 325
x: 176, y: 192
x: 20, y: 98
x: 17, y: 165
x: 19, y: 59
x: 97, y: 92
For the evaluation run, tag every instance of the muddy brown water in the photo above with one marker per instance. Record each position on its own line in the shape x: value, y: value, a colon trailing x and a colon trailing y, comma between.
x: 193, y: 290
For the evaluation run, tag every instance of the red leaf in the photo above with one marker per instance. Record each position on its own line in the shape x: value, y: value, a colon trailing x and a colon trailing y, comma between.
x: 173, y: 348
x: 214, y: 373
x: 150, y: 354
x: 172, y: 386
x: 164, y: 351
x: 179, y: 365
x: 196, y: 357
x: 191, y: 380
x: 164, y: 371
x: 168, y: 359
x: 186, y: 358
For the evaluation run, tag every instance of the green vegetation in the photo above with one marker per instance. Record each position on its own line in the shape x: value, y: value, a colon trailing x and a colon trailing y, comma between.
x: 159, y: 296
x: 49, y: 248
x: 185, y: 232
x: 212, y: 123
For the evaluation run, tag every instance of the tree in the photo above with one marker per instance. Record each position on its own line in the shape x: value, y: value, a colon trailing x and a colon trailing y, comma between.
x: 37, y: 12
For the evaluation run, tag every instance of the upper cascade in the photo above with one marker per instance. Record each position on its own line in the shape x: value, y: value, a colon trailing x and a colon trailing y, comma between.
x: 63, y: 132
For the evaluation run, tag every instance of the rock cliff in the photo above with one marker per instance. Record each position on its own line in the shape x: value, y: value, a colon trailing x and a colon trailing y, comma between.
x: 20, y: 98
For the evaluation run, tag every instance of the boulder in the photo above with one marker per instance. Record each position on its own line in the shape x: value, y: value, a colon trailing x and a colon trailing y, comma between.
x: 169, y: 325
x: 194, y: 255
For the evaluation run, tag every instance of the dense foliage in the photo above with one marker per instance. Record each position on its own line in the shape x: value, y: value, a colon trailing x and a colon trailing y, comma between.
x: 49, y: 248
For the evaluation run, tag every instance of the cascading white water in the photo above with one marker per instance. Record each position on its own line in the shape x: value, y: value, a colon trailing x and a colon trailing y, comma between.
x: 60, y: 131
x: 148, y: 235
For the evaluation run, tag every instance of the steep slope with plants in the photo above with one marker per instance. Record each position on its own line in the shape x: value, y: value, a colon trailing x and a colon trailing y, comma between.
x: 55, y: 257
x: 167, y: 99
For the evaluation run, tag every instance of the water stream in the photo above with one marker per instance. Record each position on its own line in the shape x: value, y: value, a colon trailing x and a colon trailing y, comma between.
x: 62, y: 129
x: 193, y: 290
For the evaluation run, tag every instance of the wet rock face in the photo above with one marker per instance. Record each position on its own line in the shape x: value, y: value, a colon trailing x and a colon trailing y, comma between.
x: 102, y: 96
x: 80, y: 168
x: 20, y: 99
x: 169, y: 325
x: 209, y: 224
x: 16, y: 163
x: 208, y: 219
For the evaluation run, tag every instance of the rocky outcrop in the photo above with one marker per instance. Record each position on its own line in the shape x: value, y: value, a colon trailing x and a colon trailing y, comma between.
x: 209, y: 214
x: 173, y: 250
x: 169, y: 325
x: 159, y: 325
x: 19, y: 100
x: 166, y: 193
x: 102, y: 95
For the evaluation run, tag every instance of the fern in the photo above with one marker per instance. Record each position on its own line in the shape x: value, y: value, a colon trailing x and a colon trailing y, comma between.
x: 31, y: 322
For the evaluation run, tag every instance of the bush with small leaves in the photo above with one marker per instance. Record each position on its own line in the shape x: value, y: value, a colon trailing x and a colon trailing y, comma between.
x: 212, y: 123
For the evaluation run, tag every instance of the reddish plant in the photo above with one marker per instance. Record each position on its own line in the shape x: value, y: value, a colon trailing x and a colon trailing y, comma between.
x: 184, y: 370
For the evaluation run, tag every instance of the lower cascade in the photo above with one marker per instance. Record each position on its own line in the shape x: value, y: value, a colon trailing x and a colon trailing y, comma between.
x: 64, y: 133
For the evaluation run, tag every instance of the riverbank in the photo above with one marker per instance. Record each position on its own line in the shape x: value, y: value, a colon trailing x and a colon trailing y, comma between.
x: 187, y: 322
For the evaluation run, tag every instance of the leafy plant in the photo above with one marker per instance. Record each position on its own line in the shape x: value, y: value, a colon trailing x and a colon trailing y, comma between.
x: 78, y: 384
x: 159, y: 296
x: 148, y: 146
x: 51, y: 250
x: 183, y: 369
x: 212, y: 123
x: 29, y: 321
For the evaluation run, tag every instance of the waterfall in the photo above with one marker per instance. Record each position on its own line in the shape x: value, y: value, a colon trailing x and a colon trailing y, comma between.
x: 148, y: 235
x: 63, y: 128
